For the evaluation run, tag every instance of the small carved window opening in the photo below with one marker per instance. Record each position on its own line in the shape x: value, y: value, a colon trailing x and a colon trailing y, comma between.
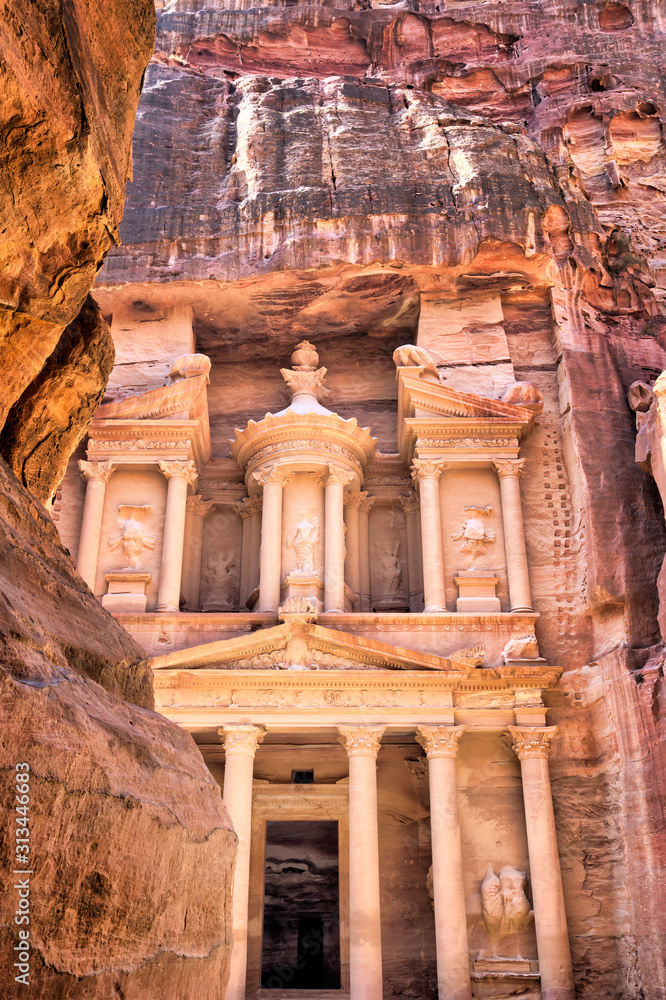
x: 302, y: 777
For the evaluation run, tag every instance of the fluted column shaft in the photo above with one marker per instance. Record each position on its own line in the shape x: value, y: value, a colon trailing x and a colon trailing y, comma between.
x: 97, y: 475
x: 352, y: 502
x: 410, y: 505
x: 365, y: 507
x: 273, y: 480
x: 179, y: 475
x: 334, y: 540
x: 509, y: 473
x: 197, y: 510
x: 432, y: 552
x: 532, y: 746
x: 365, y: 937
x: 453, y: 977
x: 240, y: 746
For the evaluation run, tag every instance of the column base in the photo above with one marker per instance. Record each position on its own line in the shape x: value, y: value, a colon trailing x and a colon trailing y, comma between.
x: 167, y: 609
x: 522, y: 610
x: 437, y: 611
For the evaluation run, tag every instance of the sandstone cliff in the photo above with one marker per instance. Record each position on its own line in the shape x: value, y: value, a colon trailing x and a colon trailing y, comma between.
x: 124, y: 815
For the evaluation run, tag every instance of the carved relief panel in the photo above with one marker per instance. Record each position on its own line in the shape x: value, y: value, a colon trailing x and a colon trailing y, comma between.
x: 221, y: 560
x: 473, y: 538
x: 132, y: 528
x: 303, y: 526
x: 389, y: 583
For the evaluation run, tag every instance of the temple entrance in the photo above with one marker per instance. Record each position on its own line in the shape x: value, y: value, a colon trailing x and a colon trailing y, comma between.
x: 301, y: 925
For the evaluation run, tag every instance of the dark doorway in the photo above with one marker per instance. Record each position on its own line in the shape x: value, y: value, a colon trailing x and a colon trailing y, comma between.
x: 301, y: 934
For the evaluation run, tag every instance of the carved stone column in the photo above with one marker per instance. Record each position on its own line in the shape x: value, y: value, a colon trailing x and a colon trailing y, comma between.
x: 352, y: 503
x: 432, y: 552
x: 510, y: 473
x: 365, y: 948
x: 410, y: 505
x: 532, y: 747
x: 273, y: 480
x: 334, y: 540
x: 364, y: 508
x: 245, y: 508
x: 240, y: 746
x: 180, y: 475
x: 197, y: 510
x: 97, y: 475
x: 441, y: 745
x: 255, y: 543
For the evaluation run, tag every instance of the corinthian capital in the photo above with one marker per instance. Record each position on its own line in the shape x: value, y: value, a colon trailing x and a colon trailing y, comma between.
x: 531, y: 742
x: 198, y: 506
x: 509, y: 467
x: 424, y: 469
x: 272, y: 474
x: 179, y: 470
x: 354, y: 499
x: 410, y: 503
x: 340, y: 476
x: 96, y: 470
x: 241, y: 740
x: 361, y: 741
x: 440, y: 741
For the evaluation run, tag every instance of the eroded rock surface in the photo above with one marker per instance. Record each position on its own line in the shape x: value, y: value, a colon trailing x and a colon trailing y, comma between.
x: 124, y: 814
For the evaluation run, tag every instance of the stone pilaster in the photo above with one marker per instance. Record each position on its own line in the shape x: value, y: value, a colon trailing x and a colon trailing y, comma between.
x: 352, y: 502
x: 365, y: 948
x: 179, y: 475
x: 196, y: 512
x: 432, y: 552
x: 510, y: 472
x: 97, y: 475
x: 364, y: 508
x: 334, y: 539
x: 410, y: 504
x: 441, y: 746
x: 532, y: 747
x: 273, y: 479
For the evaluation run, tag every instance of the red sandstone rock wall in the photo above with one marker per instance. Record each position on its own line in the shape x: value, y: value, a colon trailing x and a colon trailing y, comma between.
x: 309, y: 169
x: 124, y: 815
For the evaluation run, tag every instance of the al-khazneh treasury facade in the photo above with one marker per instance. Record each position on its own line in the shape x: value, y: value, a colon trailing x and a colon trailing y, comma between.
x: 349, y: 635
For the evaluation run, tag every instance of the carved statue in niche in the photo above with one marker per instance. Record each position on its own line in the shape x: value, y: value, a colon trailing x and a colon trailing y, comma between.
x: 304, y: 543
x: 505, y: 907
x: 220, y: 579
x: 132, y: 539
x: 474, y: 536
x: 390, y: 568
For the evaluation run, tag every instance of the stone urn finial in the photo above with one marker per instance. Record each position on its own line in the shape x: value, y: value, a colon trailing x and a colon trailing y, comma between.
x: 305, y: 357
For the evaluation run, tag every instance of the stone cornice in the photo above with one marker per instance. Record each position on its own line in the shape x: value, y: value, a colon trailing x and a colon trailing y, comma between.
x: 145, y: 442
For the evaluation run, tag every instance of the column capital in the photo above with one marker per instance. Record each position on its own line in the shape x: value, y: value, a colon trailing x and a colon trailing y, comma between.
x: 198, y: 506
x: 440, y: 741
x: 410, y: 503
x: 366, y: 504
x: 342, y: 477
x: 97, y: 470
x: 241, y: 740
x: 248, y: 506
x: 509, y: 467
x: 272, y: 474
x: 425, y: 469
x: 351, y: 499
x: 361, y: 741
x: 529, y: 741
x: 179, y: 470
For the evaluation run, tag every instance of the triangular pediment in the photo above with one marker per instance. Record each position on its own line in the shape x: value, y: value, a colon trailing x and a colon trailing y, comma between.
x: 299, y: 645
x: 421, y: 397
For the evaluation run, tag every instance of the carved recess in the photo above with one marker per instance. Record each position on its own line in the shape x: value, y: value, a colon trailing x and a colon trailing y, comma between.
x: 440, y: 741
x: 530, y: 742
x: 361, y: 741
x: 241, y: 740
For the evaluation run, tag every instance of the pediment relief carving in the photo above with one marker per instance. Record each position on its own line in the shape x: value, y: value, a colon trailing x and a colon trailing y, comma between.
x: 298, y: 645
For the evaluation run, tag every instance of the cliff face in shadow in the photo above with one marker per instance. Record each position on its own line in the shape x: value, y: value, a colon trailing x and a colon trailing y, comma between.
x: 123, y: 814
